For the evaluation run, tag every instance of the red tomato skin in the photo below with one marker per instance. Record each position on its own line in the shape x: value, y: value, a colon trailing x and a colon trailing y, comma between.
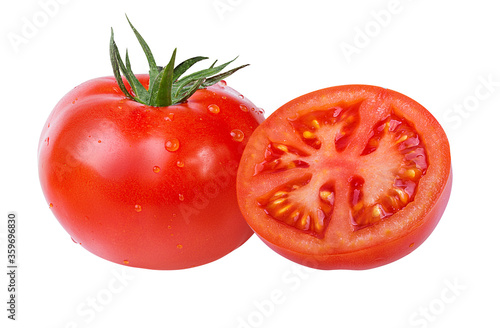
x: 327, y: 253
x: 143, y: 186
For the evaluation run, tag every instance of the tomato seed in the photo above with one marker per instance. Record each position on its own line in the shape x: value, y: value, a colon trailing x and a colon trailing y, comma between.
x: 308, y: 135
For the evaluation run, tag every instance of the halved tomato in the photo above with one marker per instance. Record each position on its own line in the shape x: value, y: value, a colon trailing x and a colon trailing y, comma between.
x: 348, y: 177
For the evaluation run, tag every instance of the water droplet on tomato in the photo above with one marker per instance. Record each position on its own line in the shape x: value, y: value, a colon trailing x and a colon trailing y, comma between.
x: 48, y: 125
x: 244, y: 108
x: 222, y: 83
x: 47, y: 141
x: 181, y: 197
x: 126, y: 262
x: 237, y: 135
x: 172, y: 144
x: 99, y: 141
x: 169, y: 117
x: 214, y: 109
x: 156, y: 169
x: 74, y: 240
x: 51, y: 205
x: 180, y: 163
x: 138, y: 208
x: 179, y: 246
x: 241, y: 96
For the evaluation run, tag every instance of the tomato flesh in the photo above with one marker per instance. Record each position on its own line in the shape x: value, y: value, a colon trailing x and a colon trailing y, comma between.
x: 346, y: 177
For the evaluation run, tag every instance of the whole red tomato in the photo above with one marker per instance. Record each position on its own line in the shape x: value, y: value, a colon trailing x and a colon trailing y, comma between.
x: 348, y: 177
x: 148, y: 186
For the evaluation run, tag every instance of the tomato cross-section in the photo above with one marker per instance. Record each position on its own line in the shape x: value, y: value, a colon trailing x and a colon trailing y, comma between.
x: 346, y: 177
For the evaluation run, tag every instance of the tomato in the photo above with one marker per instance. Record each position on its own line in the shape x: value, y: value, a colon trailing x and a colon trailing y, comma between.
x: 348, y: 177
x: 144, y: 186
x: 149, y: 186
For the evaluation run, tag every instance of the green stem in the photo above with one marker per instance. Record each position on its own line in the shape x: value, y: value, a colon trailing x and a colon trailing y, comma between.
x: 167, y: 86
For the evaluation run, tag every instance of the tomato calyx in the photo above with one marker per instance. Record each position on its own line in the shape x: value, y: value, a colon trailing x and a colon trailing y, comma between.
x: 166, y: 84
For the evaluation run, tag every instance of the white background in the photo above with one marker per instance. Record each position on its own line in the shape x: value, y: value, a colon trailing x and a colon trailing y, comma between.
x: 444, y: 54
